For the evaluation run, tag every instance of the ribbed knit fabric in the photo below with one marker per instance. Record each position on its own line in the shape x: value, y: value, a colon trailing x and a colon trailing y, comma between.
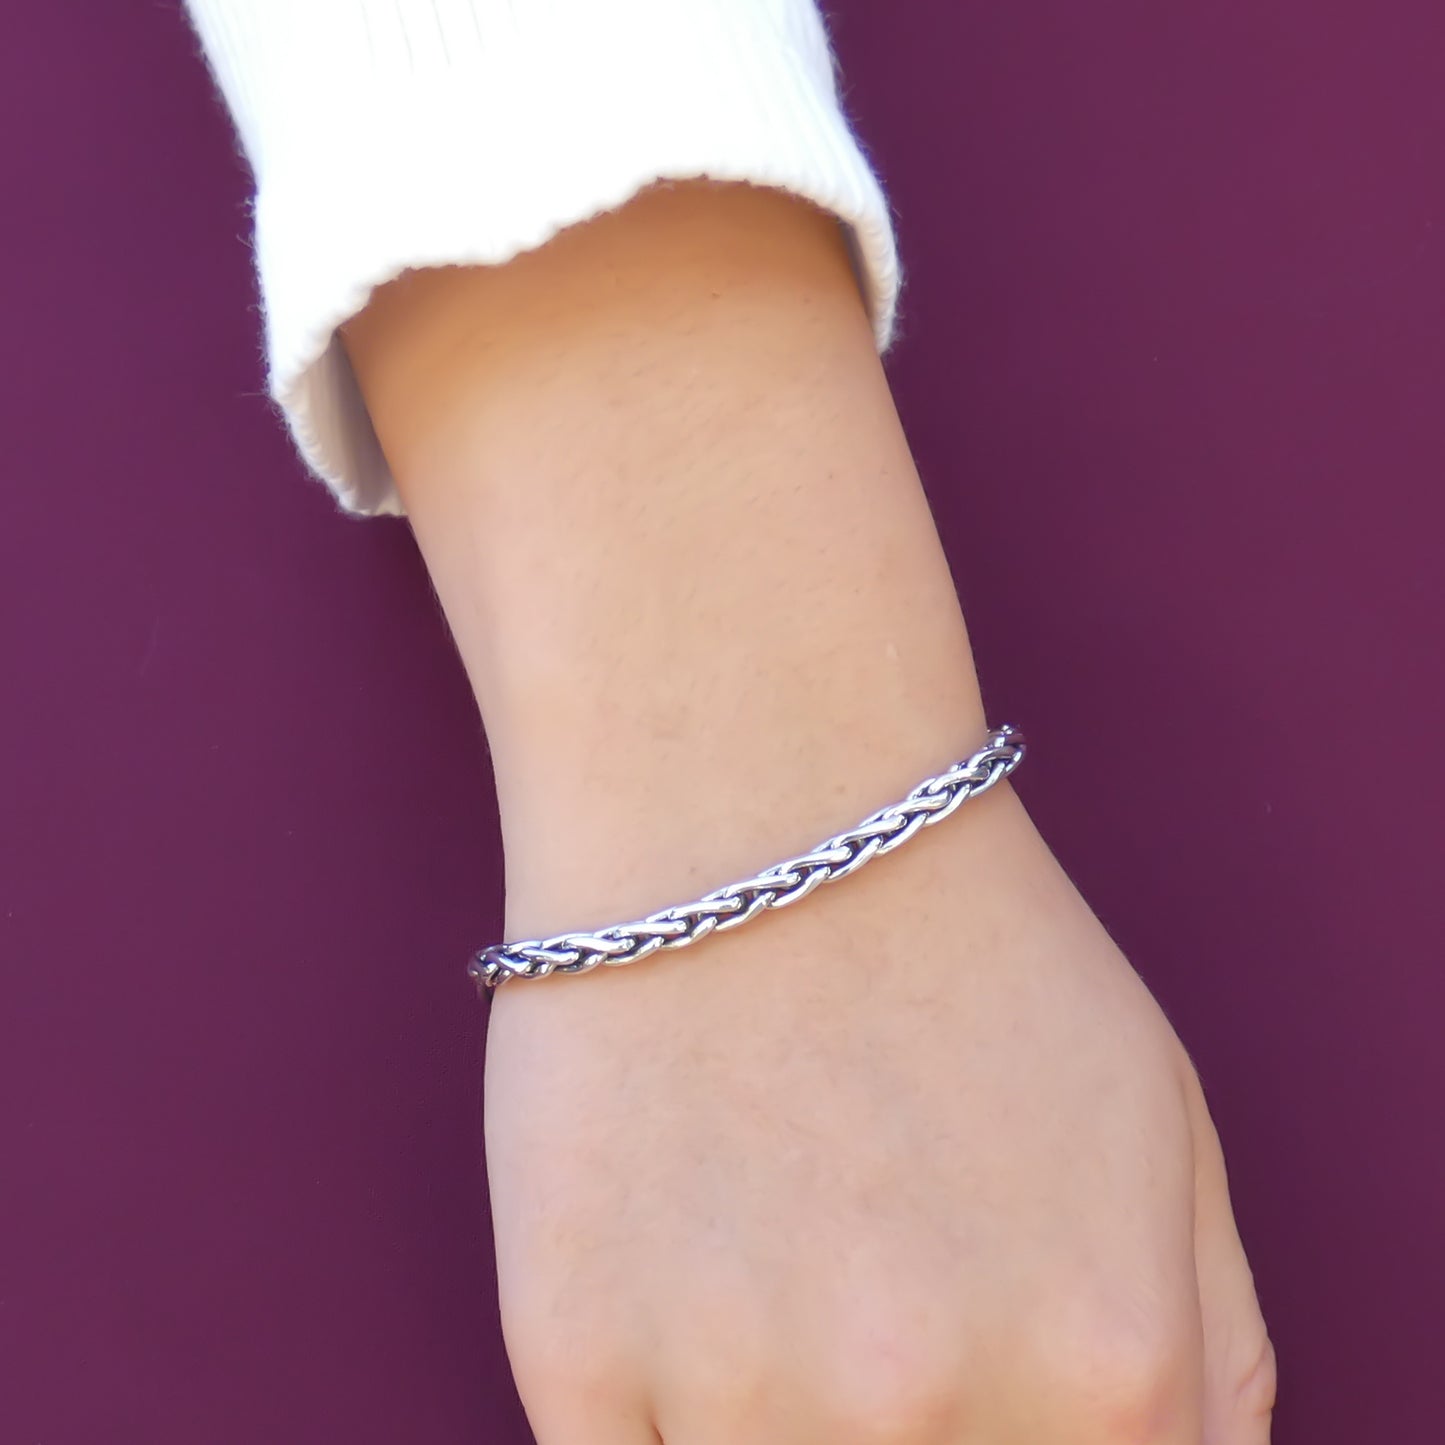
x: 390, y: 134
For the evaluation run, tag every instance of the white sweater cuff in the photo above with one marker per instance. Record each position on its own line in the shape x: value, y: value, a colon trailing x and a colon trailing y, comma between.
x: 391, y: 134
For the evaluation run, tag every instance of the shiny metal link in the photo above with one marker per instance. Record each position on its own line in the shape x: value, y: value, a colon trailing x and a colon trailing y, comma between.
x: 777, y: 887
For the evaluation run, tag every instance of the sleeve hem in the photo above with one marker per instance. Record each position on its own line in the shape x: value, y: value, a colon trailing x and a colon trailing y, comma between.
x: 373, y: 162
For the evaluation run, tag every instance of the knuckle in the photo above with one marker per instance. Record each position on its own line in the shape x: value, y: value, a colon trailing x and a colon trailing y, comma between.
x: 726, y: 1384
x: 908, y: 1417
x: 562, y: 1364
x: 1123, y: 1376
x: 1259, y: 1384
x: 892, y: 1398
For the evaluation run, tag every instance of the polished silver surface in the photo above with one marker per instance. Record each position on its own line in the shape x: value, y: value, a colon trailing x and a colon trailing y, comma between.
x: 784, y: 883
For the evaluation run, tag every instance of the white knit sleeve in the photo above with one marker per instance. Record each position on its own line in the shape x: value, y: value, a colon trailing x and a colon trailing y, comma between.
x: 390, y: 134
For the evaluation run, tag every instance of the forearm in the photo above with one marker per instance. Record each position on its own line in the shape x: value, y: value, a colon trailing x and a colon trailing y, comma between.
x: 666, y: 503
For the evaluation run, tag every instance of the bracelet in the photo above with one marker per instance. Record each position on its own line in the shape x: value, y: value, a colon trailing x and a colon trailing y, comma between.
x: 784, y: 883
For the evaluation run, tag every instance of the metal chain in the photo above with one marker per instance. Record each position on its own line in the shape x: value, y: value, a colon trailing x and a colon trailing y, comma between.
x: 784, y: 883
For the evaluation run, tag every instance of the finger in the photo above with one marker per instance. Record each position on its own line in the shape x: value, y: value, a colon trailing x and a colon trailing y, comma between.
x: 1239, y: 1366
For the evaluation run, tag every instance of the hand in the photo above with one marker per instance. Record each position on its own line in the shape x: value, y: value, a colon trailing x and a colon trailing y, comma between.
x: 918, y: 1161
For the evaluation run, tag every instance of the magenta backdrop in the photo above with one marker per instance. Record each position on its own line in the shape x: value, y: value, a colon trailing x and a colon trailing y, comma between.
x: 1173, y: 363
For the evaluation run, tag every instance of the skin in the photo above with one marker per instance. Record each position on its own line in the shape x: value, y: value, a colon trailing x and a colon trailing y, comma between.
x: 919, y: 1161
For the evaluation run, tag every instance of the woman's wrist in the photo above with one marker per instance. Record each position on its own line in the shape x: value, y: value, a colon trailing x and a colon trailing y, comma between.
x: 667, y: 505
x: 660, y: 831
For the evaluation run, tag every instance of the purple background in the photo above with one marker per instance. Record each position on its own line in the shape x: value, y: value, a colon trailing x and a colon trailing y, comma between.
x: 1173, y: 366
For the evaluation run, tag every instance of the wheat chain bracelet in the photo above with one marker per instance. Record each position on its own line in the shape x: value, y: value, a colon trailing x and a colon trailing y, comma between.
x: 784, y: 883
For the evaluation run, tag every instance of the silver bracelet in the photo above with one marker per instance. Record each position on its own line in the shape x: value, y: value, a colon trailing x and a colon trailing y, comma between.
x: 784, y: 883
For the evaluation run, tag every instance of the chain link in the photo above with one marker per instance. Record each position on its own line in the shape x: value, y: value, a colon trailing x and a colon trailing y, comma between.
x: 784, y: 883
